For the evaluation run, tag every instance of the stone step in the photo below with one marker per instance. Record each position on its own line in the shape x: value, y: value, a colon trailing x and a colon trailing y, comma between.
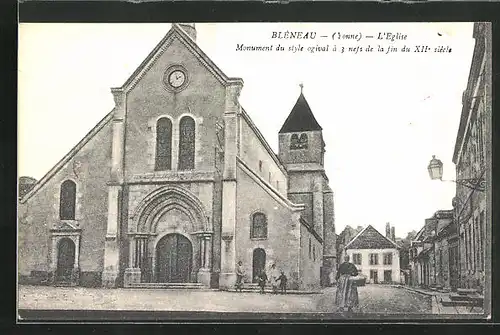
x: 252, y: 290
x: 465, y: 291
x: 445, y: 301
x: 169, y: 285
x: 458, y: 297
x: 270, y: 291
x: 64, y: 284
x: 254, y: 287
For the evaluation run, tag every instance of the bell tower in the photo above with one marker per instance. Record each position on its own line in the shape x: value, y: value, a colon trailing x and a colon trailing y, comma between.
x: 302, y: 151
x: 301, y: 137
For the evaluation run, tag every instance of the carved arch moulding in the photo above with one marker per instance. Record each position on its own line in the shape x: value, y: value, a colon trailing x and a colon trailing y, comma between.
x: 164, y: 199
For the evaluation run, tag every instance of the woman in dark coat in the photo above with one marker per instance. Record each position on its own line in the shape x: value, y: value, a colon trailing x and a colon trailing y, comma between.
x: 347, y: 292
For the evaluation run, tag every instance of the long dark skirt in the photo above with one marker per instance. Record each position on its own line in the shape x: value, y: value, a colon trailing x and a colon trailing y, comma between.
x: 347, y: 293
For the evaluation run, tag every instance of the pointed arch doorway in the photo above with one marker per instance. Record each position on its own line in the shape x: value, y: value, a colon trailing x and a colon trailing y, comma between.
x: 259, y: 263
x: 174, y: 254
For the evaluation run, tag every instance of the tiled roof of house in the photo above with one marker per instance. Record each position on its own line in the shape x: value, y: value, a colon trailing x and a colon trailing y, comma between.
x: 370, y: 238
x: 301, y: 118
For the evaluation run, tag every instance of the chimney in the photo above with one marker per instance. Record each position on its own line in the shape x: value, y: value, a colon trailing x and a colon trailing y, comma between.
x: 388, y: 230
x: 190, y: 29
x: 393, y: 234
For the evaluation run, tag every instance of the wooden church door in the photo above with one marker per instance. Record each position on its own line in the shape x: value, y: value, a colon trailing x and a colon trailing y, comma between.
x: 173, y: 259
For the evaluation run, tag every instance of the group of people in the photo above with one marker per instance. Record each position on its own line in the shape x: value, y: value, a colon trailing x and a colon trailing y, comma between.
x: 347, y: 291
x: 277, y: 279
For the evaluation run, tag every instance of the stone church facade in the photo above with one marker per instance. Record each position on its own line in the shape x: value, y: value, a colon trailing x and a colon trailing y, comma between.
x: 176, y: 185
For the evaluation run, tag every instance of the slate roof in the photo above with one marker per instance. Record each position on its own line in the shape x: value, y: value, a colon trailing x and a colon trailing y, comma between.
x: 301, y: 118
x: 370, y: 238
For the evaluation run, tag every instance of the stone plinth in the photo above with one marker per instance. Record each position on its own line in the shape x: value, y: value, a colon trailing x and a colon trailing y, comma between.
x: 203, y: 277
x: 227, y: 280
x: 109, y: 278
x: 131, y: 276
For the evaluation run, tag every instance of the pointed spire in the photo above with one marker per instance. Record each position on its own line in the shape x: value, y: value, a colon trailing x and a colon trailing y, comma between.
x: 301, y: 117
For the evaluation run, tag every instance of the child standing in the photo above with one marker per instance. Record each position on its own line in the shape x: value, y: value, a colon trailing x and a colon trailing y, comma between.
x: 262, y: 279
x: 239, y: 276
x: 282, y: 278
x: 274, y: 278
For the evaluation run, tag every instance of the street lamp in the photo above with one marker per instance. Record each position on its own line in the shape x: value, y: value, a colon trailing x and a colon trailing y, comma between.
x: 435, y: 169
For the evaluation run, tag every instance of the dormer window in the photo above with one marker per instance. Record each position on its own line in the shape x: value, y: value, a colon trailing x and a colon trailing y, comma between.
x: 298, y: 142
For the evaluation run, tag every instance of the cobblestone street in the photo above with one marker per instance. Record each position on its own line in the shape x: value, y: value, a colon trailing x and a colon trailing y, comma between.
x: 373, y: 299
x: 382, y: 300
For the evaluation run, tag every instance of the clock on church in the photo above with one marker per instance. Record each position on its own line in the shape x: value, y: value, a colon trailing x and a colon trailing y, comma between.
x: 175, y: 78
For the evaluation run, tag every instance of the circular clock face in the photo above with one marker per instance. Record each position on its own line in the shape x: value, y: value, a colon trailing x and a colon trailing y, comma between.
x: 176, y: 78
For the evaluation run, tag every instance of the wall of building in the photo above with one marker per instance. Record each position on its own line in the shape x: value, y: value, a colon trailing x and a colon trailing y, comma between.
x: 431, y: 269
x: 255, y: 154
x: 283, y: 228
x: 472, y: 159
x: 150, y: 99
x: 365, y: 266
x: 301, y: 187
x: 329, y: 237
x: 311, y: 259
x: 89, y: 169
x: 442, y: 263
x: 305, y: 198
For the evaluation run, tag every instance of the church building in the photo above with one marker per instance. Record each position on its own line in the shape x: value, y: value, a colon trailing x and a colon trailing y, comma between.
x: 176, y: 185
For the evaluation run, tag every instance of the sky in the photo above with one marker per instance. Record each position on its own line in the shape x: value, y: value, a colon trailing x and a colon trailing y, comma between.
x: 383, y: 115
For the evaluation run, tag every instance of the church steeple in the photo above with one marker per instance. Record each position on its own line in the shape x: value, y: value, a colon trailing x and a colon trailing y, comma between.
x: 301, y: 117
x: 301, y: 136
x: 190, y: 29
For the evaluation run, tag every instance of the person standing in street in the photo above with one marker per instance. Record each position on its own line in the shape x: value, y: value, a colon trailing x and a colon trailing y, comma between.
x: 239, y: 276
x: 347, y: 291
x: 262, y: 279
x: 283, y: 279
x: 274, y: 277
